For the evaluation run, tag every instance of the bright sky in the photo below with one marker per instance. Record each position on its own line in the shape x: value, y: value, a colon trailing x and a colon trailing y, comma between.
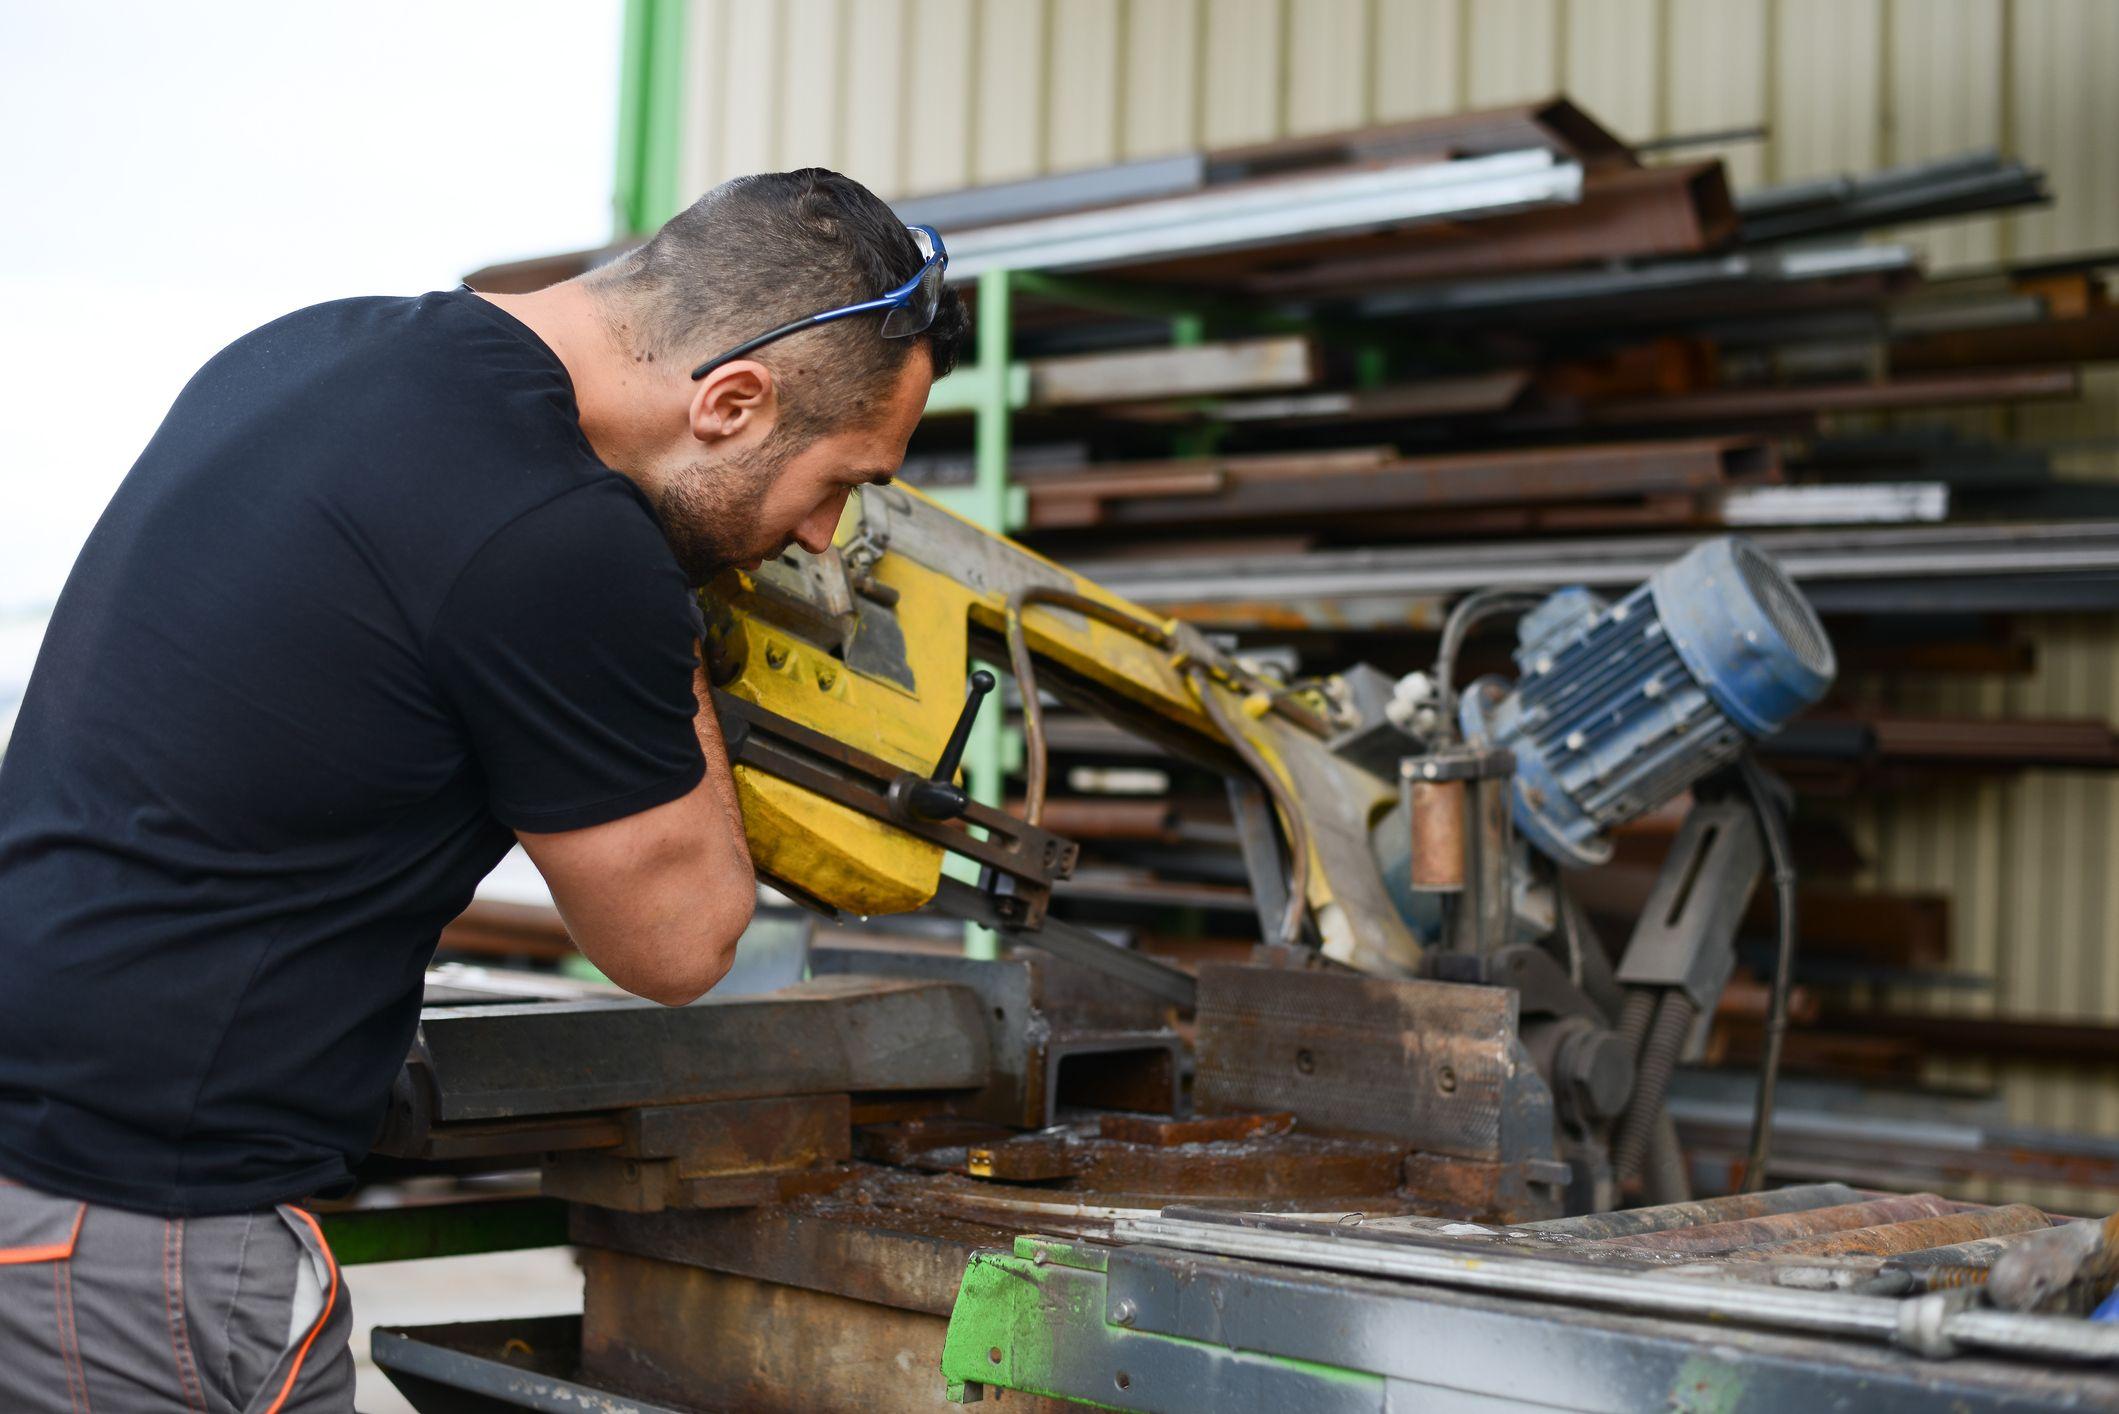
x: 173, y: 175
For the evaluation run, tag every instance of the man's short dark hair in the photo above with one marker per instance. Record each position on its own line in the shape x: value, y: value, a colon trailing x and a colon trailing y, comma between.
x: 764, y: 250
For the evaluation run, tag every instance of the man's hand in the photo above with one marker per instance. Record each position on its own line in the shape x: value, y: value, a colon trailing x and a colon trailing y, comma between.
x: 657, y: 900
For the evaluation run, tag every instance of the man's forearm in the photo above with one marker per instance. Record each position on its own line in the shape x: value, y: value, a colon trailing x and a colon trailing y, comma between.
x: 720, y: 779
x: 659, y: 898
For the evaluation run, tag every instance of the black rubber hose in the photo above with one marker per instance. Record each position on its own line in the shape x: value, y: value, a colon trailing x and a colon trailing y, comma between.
x: 1659, y: 1062
x: 1774, y: 825
x: 1036, y: 763
x: 1467, y: 614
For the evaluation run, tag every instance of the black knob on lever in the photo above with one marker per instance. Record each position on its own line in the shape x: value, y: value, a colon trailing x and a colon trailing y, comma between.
x: 938, y: 797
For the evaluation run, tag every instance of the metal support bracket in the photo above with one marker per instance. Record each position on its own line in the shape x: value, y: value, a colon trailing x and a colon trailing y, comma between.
x: 1686, y: 936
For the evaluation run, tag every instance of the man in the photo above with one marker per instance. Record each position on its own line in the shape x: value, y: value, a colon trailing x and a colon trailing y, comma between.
x: 397, y: 584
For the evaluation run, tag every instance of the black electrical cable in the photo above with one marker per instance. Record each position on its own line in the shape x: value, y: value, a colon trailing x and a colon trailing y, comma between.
x: 1465, y: 615
x: 1774, y: 825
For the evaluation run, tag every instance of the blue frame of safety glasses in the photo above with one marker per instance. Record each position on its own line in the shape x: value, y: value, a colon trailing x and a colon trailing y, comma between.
x: 906, y: 310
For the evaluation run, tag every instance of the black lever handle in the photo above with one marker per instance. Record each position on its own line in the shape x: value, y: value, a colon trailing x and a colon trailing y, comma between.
x: 939, y: 797
x: 953, y: 754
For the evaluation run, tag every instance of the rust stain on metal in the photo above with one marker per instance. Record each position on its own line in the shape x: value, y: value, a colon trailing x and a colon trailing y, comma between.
x: 1466, y: 1189
x: 1164, y: 1133
x: 1027, y: 1158
x: 1426, y: 1063
x: 1890, y: 1239
x: 903, y: 1144
x: 1980, y: 1252
x: 1714, y: 1238
x: 1592, y: 1227
x: 1264, y: 1167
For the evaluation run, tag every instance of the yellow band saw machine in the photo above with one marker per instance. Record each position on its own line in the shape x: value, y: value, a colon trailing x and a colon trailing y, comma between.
x: 1397, y: 828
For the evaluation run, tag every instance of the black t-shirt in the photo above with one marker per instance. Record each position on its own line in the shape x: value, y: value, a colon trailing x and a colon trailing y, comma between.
x: 367, y: 602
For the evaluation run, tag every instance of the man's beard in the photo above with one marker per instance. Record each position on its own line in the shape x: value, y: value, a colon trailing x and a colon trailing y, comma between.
x: 710, y: 511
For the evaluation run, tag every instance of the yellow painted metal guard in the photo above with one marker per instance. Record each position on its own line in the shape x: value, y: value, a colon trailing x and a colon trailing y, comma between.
x: 949, y: 576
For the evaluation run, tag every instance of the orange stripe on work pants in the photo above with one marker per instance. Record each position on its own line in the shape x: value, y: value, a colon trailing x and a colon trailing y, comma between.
x: 323, y: 1316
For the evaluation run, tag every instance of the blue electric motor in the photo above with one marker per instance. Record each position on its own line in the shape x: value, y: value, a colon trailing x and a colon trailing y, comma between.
x: 1621, y: 706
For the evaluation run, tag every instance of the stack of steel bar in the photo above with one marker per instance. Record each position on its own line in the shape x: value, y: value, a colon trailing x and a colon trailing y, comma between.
x: 2031, y: 568
x: 1534, y: 333
x: 1815, y: 1236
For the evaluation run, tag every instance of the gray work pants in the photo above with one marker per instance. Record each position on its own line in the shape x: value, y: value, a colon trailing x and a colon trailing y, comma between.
x: 109, y: 1312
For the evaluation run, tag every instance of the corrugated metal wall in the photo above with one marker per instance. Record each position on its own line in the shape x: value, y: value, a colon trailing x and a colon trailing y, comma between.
x: 925, y: 95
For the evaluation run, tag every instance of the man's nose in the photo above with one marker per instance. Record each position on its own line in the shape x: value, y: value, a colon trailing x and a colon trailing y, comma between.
x: 814, y: 534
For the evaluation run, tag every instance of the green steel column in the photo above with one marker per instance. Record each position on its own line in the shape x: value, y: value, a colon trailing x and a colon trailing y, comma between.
x: 988, y: 502
x: 650, y: 105
x: 1187, y: 331
x: 987, y: 756
x: 1372, y: 365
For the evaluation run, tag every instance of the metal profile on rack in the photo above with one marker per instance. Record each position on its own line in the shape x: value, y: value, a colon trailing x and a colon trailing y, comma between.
x: 1263, y: 213
x: 1950, y: 552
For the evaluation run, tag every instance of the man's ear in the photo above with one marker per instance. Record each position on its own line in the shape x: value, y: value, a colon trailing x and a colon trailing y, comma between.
x: 736, y: 400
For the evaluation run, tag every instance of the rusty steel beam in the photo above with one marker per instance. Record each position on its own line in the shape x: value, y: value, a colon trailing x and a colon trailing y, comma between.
x: 1825, y: 1053
x: 2047, y: 1040
x: 1913, y: 1235
x: 1709, y: 1239
x: 1682, y: 209
x: 1554, y: 124
x: 1289, y: 1167
x: 2001, y: 743
x: 1980, y: 1252
x: 1883, y: 929
x: 1064, y: 506
x: 1164, y: 1133
x: 1889, y: 1154
x: 2087, y: 741
x: 1802, y: 402
x: 1631, y: 1222
x: 2093, y: 338
x: 1283, y: 492
x: 1066, y: 499
x: 1132, y: 375
x: 1486, y: 394
x: 1097, y: 478
x: 1025, y: 1158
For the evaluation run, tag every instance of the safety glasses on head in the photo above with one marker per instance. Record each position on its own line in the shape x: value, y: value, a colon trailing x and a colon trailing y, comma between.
x: 907, y: 310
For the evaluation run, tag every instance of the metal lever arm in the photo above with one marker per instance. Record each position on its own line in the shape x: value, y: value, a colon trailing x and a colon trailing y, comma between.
x: 939, y: 797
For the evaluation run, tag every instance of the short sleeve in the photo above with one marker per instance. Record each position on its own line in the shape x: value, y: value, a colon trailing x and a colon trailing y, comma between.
x: 565, y: 646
